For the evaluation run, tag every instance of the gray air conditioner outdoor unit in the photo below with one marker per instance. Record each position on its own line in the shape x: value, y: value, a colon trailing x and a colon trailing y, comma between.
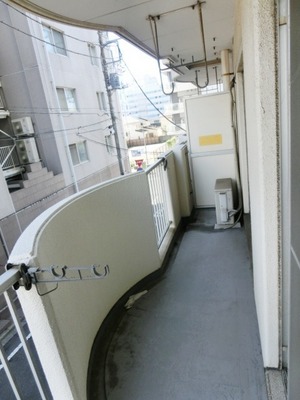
x: 224, y: 203
x: 114, y: 81
x: 27, y: 151
x: 22, y: 126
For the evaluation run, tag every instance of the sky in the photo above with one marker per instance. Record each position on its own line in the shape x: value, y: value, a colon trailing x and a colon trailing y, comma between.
x: 139, y: 62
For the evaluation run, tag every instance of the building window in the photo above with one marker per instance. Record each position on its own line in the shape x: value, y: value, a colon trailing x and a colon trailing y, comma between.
x: 55, y: 40
x: 79, y: 153
x: 93, y: 54
x: 110, y: 144
x: 67, y: 99
x: 102, y: 102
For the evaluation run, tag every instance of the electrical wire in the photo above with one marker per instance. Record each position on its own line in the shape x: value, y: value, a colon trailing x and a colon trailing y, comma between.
x: 88, y: 55
x: 34, y: 111
x: 150, y: 101
x: 83, y: 135
x: 28, y: 16
x: 101, y: 143
x: 52, y: 44
x: 143, y: 92
x: 49, y: 43
x: 15, y: 213
x: 110, y: 146
x: 76, y: 128
x: 46, y: 42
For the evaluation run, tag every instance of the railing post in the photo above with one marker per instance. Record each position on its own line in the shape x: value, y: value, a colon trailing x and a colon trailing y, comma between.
x: 22, y: 336
x: 7, y: 280
x: 13, y: 383
x: 158, y: 189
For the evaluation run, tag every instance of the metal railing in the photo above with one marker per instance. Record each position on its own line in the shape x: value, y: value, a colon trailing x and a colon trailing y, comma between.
x: 9, y: 157
x: 7, y: 280
x: 157, y: 180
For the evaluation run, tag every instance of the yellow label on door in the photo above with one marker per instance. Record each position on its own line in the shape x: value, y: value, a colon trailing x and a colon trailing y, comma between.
x: 210, y: 140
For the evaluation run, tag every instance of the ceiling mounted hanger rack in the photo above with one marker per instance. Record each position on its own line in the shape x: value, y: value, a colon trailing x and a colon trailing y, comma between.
x: 153, y: 24
x: 204, y: 49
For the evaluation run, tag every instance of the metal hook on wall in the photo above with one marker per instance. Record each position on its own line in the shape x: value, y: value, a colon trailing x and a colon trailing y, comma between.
x: 153, y: 26
x: 57, y: 274
x: 98, y: 274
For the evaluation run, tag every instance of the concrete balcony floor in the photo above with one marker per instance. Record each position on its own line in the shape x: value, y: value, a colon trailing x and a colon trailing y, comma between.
x: 194, y: 335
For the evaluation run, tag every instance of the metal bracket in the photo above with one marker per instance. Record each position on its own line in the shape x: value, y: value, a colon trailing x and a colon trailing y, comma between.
x: 153, y: 25
x: 56, y: 274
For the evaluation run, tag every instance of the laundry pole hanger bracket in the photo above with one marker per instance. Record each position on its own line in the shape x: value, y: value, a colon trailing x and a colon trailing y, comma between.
x: 56, y: 274
x: 153, y: 19
x: 153, y: 25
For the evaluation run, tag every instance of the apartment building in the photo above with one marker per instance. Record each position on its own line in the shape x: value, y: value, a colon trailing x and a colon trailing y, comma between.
x: 58, y: 136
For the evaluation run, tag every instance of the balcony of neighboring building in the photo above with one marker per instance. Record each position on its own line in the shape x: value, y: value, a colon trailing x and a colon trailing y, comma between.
x: 4, y: 113
x: 9, y: 161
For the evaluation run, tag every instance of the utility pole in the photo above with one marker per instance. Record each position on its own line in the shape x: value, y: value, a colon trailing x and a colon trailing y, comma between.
x: 109, y: 91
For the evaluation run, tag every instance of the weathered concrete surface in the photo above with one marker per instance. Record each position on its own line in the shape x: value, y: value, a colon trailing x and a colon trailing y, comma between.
x: 193, y: 336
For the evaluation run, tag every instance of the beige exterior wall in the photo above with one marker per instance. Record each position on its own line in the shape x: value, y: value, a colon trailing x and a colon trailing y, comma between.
x: 255, y: 53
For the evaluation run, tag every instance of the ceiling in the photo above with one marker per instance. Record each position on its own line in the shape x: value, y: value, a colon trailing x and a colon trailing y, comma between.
x: 178, y: 24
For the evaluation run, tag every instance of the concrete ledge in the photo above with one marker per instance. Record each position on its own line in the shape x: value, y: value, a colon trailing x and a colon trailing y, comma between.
x: 275, y: 385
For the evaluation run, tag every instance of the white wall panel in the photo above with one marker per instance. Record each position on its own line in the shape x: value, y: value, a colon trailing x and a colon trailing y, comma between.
x: 211, y: 144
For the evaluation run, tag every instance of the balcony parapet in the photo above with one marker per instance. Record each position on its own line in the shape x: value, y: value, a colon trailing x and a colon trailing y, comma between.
x: 112, y: 223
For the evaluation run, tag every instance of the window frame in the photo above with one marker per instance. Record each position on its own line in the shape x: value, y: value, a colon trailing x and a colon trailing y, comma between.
x: 77, y: 156
x: 102, y: 100
x: 64, y: 103
x: 52, y: 45
x: 110, y: 144
x: 94, y: 59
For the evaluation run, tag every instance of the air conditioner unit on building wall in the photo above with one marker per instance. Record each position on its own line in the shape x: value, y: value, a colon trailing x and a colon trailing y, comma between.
x: 27, y: 151
x: 22, y: 126
x: 114, y: 80
x: 224, y: 202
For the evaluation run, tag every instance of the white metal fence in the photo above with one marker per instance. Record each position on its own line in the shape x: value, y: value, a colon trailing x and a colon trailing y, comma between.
x: 15, y: 383
x: 8, y: 157
x: 157, y: 183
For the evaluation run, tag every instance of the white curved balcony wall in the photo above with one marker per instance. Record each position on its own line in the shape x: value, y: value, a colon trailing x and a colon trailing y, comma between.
x: 108, y: 224
x: 111, y: 224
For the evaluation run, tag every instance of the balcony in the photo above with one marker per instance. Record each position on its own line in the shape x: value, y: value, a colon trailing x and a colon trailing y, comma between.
x: 9, y: 161
x: 175, y: 316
